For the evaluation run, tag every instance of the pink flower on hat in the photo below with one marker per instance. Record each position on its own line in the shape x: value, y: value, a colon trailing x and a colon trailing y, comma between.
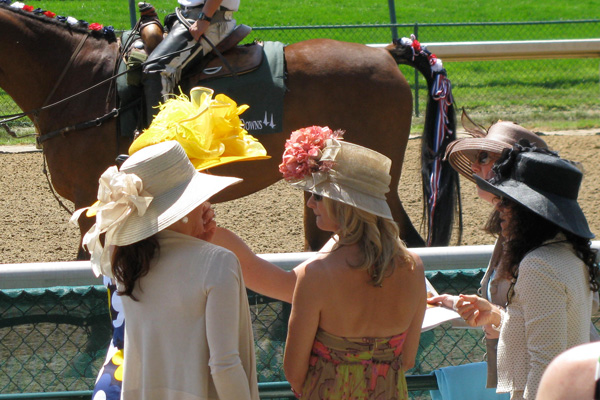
x: 303, y: 151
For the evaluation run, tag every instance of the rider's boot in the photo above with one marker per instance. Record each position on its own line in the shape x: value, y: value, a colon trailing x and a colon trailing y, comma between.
x: 147, y: 11
x: 152, y: 94
x: 151, y: 30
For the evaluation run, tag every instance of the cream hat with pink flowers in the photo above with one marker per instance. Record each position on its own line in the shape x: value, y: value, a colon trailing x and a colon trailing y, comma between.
x: 317, y: 160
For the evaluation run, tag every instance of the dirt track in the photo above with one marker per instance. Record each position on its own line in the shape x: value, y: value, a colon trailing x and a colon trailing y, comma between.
x: 34, y: 228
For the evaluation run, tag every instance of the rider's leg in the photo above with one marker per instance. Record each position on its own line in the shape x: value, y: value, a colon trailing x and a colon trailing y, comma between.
x: 163, y: 68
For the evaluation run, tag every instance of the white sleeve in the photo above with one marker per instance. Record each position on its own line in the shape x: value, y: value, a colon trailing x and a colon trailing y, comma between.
x: 544, y: 302
x: 223, y: 328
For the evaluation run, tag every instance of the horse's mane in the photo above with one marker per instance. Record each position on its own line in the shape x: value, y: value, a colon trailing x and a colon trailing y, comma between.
x: 55, y: 22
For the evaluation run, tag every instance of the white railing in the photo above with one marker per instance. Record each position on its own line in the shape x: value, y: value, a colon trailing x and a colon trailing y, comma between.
x: 79, y: 273
x: 513, y: 50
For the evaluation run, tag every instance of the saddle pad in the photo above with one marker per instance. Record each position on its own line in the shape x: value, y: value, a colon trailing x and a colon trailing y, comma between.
x: 262, y: 90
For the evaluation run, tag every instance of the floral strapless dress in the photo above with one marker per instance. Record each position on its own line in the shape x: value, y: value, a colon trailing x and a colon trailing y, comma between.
x: 355, y: 368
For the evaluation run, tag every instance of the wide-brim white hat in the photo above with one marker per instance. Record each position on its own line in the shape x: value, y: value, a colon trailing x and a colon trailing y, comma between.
x: 175, y: 186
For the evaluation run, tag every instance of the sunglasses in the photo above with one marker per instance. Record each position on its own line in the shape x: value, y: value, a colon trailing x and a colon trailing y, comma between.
x: 483, y: 158
x: 317, y: 197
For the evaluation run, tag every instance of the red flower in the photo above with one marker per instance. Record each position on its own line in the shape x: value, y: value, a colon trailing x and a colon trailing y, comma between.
x: 49, y: 14
x: 28, y: 8
x: 95, y: 27
x: 416, y: 45
x: 432, y: 59
x: 302, y: 155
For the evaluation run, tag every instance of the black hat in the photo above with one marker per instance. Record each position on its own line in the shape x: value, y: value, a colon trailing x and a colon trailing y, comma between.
x: 543, y: 183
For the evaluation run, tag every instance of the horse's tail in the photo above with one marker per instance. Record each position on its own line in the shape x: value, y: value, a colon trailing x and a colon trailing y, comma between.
x: 441, y: 189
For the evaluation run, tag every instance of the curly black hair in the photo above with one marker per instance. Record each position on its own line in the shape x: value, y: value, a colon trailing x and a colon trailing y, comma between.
x: 528, y: 231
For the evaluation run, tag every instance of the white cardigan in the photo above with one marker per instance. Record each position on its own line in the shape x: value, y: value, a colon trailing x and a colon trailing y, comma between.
x: 549, y: 313
x: 189, y: 337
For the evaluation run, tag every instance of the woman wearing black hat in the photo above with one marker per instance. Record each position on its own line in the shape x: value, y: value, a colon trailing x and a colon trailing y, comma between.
x: 548, y: 257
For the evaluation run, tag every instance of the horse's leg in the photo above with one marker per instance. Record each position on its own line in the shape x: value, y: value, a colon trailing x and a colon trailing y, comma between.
x: 408, y: 233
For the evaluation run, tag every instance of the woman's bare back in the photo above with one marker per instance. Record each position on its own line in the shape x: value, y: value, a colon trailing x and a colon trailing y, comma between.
x: 353, y: 307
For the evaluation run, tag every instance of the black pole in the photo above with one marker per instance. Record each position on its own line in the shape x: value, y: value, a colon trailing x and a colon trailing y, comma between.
x: 392, y: 8
x: 416, y: 33
x: 132, y: 16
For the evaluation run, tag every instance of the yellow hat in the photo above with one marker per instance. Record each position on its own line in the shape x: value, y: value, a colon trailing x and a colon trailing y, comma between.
x: 209, y: 130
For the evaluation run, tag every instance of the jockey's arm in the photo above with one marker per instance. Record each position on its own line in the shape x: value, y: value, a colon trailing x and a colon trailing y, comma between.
x: 201, y: 25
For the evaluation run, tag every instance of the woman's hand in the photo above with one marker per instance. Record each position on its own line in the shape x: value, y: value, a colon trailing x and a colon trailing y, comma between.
x: 208, y: 222
x: 477, y: 311
x: 447, y: 300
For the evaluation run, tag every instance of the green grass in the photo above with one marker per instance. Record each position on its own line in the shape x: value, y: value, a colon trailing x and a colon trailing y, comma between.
x: 334, y: 12
x: 543, y: 95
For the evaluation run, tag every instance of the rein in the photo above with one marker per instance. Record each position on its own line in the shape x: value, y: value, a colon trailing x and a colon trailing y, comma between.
x: 113, y: 113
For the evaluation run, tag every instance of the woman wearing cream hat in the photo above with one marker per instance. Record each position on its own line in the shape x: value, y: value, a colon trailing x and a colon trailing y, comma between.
x: 207, y: 132
x: 174, y: 285
x: 361, y: 297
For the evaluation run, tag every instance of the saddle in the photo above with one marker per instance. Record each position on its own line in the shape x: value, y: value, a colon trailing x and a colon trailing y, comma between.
x: 228, y: 59
x: 239, y: 59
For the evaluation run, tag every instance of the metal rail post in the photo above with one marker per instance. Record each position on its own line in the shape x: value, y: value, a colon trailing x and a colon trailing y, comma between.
x: 132, y: 15
x: 392, y: 8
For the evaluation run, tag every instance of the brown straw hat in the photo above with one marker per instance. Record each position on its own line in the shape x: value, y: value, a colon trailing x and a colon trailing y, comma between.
x: 462, y: 153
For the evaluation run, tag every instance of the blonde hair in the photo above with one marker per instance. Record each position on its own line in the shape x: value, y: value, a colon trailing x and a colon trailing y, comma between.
x: 377, y: 237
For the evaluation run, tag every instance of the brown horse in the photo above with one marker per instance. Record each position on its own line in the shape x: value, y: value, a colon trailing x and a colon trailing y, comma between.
x: 342, y: 85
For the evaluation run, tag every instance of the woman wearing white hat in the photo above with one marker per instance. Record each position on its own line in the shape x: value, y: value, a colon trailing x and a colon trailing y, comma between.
x: 362, y: 297
x: 188, y: 333
x: 549, y: 261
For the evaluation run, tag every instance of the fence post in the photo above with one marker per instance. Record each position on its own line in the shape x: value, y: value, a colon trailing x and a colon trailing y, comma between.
x: 416, y: 33
x: 392, y: 8
x: 132, y: 15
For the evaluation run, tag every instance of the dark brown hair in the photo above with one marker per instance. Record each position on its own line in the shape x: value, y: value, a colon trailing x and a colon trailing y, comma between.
x: 528, y: 231
x: 132, y: 262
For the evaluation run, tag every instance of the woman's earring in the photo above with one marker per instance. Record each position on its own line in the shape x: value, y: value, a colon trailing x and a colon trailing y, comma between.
x: 184, y: 220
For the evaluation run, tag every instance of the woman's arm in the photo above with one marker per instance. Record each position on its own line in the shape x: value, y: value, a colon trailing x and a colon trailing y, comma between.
x: 411, y: 345
x: 224, y: 288
x: 303, y: 324
x: 259, y: 275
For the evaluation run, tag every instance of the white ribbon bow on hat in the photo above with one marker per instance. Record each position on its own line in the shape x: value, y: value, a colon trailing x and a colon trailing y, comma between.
x: 119, y: 195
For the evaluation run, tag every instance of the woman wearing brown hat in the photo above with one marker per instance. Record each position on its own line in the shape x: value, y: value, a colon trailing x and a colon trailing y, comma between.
x: 358, y: 304
x: 549, y: 261
x: 474, y: 156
